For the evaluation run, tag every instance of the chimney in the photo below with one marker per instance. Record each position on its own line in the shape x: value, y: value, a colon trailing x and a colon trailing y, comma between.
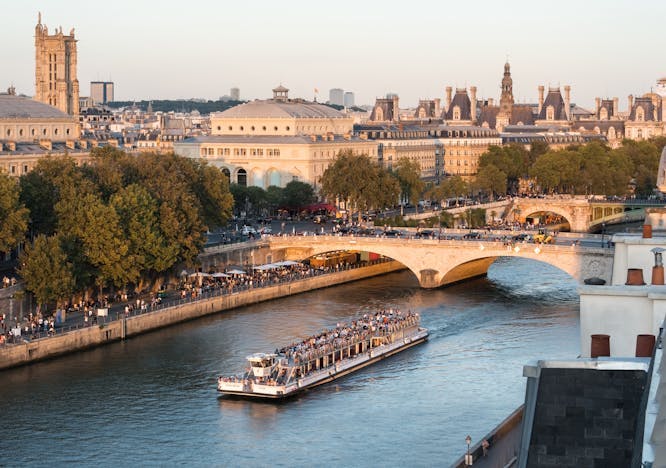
x: 472, y: 91
x: 616, y: 106
x: 396, y: 110
x: 567, y: 101
x: 540, y: 99
x: 449, y: 90
x: 597, y: 105
x: 437, y: 107
x: 630, y: 102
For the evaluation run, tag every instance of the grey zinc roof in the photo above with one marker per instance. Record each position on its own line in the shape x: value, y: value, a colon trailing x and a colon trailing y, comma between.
x: 268, y: 139
x: 19, y: 107
x: 281, y: 109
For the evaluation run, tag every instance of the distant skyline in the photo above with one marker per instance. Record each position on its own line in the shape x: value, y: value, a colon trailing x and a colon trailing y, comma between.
x: 162, y: 50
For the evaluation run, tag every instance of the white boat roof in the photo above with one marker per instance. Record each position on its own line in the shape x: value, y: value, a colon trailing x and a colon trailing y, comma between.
x: 261, y: 356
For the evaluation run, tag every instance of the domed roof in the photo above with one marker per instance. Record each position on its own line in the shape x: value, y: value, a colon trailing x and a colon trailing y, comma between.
x: 274, y: 109
x: 20, y: 107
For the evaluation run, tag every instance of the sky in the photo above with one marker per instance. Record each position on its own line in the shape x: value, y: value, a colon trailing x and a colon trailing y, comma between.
x: 179, y: 50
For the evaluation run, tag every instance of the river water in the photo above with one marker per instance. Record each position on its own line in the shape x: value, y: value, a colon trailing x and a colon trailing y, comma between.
x: 152, y: 401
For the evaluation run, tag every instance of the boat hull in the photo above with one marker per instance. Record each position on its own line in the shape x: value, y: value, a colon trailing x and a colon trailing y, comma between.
x: 340, y: 369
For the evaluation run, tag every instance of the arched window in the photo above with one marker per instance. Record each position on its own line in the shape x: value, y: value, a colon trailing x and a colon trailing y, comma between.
x: 456, y: 113
x: 379, y: 113
x: 603, y: 114
x: 241, y: 177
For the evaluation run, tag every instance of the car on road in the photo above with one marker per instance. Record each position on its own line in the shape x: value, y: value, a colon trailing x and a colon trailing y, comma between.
x: 472, y: 235
x: 393, y: 233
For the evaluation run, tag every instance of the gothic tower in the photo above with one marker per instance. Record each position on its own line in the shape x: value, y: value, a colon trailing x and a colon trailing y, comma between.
x: 55, y: 69
x: 506, y: 99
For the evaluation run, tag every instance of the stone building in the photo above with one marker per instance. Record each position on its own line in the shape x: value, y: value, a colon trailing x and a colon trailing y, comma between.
x: 274, y: 141
x: 30, y: 130
x: 386, y: 110
x: 55, y: 69
x: 647, y: 115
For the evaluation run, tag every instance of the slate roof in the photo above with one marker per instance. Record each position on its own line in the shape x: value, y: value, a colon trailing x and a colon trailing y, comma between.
x: 20, y: 107
x: 268, y: 139
x: 648, y: 109
x: 460, y: 99
x: 488, y: 114
x: 271, y: 108
x: 554, y: 98
x: 521, y: 113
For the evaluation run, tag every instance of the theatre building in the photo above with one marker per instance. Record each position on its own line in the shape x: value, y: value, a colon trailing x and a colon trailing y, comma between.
x: 274, y: 141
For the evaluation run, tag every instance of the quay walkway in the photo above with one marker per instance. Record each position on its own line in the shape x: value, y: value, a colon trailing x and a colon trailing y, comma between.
x: 120, y: 325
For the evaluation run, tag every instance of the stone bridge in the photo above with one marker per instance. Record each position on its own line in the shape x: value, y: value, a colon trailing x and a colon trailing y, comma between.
x: 583, y: 213
x: 440, y: 262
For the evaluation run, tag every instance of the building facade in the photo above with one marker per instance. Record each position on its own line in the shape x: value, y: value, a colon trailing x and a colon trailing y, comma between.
x: 55, y: 69
x: 274, y: 141
x: 101, y: 92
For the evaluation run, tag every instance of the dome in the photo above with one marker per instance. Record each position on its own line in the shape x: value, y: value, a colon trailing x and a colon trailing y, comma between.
x: 272, y: 109
x: 19, y: 107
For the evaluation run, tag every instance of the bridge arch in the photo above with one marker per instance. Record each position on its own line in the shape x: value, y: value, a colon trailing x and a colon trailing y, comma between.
x: 567, y: 215
x: 436, y: 263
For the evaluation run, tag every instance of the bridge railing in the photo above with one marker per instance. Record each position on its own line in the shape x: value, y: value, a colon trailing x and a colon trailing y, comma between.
x: 360, y: 243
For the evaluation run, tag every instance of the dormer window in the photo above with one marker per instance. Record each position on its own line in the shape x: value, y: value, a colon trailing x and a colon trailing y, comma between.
x: 640, y: 114
x: 603, y: 114
x: 550, y: 113
x: 456, y: 113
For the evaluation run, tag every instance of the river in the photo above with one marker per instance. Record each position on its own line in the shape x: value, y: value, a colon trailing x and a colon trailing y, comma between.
x: 152, y: 401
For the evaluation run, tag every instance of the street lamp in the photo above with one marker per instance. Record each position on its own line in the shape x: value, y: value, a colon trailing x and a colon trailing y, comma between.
x: 603, y: 231
x: 468, y: 457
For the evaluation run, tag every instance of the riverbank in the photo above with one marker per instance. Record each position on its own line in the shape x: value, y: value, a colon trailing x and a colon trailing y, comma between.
x: 76, y: 340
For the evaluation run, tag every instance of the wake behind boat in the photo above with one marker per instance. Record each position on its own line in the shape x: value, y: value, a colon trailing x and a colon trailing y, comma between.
x: 326, y: 356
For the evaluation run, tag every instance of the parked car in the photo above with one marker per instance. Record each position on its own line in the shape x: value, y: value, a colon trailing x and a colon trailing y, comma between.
x: 472, y: 235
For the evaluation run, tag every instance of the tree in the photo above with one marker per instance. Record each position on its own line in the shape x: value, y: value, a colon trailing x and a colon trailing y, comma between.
x: 453, y: 187
x: 297, y: 195
x: 408, y: 173
x: 358, y: 181
x: 47, y: 271
x: 13, y: 214
x: 491, y: 180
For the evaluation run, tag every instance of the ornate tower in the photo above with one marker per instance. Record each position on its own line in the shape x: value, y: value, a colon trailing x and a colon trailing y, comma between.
x: 506, y: 99
x: 55, y: 69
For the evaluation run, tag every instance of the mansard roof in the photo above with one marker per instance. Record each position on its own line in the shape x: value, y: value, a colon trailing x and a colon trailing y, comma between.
x: 554, y: 98
x: 522, y: 114
x: 648, y: 109
x: 461, y: 100
x: 488, y: 115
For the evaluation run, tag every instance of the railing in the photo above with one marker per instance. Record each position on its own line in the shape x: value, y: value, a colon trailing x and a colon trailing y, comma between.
x: 119, y: 313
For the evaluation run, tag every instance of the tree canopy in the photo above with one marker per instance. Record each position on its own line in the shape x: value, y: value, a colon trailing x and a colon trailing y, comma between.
x: 119, y: 219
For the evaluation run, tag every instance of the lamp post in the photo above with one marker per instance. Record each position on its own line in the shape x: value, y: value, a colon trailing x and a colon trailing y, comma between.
x: 603, y: 231
x: 468, y: 457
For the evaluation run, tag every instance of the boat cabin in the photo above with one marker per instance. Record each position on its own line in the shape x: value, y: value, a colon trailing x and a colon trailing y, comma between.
x: 262, y: 364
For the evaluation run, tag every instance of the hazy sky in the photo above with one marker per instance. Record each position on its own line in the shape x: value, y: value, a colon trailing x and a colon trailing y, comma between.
x: 179, y: 49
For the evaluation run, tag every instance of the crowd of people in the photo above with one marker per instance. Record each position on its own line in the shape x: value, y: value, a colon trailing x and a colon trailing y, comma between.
x: 382, y: 323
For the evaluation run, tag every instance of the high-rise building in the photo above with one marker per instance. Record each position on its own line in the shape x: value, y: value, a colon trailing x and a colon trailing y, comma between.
x: 55, y: 69
x: 336, y: 96
x: 101, y: 92
x: 235, y: 94
x: 349, y: 99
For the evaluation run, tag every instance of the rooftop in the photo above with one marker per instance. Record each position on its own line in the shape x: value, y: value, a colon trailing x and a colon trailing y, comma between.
x: 20, y: 107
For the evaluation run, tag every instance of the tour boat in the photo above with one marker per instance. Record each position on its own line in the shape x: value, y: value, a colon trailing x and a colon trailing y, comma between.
x: 325, y: 357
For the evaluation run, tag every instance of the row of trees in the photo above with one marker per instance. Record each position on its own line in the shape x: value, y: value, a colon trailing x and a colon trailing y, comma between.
x: 256, y: 201
x: 117, y: 221
x: 593, y: 168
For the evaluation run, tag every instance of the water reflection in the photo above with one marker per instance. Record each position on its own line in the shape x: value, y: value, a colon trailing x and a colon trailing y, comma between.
x: 152, y: 399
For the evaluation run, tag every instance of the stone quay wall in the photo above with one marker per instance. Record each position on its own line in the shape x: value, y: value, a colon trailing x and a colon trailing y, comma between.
x: 13, y: 355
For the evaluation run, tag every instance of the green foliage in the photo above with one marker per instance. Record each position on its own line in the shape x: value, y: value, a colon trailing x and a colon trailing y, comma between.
x: 122, y: 218
x: 408, y: 173
x: 359, y: 181
x: 13, y: 215
x: 178, y: 105
x: 491, y: 180
x: 297, y: 195
x: 47, y: 271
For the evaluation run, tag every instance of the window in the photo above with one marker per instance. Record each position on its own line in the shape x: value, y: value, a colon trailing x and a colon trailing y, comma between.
x: 550, y: 113
x: 202, y: 151
x: 242, y: 128
x: 25, y: 168
x: 219, y: 128
x: 9, y: 132
x: 21, y: 132
x: 640, y: 114
x: 32, y: 132
x: 44, y: 131
x: 55, y: 131
x: 230, y: 128
x: 287, y: 128
x: 66, y: 132
x: 275, y: 128
x: 252, y: 128
x: 264, y: 128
